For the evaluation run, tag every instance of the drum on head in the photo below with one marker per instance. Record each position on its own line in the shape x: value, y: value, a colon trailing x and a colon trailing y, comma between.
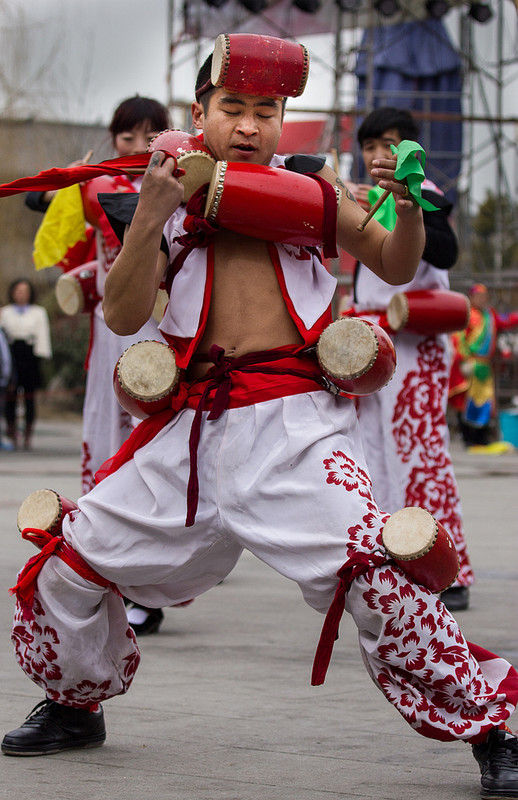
x: 429, y: 311
x: 43, y: 511
x: 145, y: 378
x: 259, y: 65
x: 76, y: 290
x: 422, y: 547
x: 356, y: 356
x: 192, y: 156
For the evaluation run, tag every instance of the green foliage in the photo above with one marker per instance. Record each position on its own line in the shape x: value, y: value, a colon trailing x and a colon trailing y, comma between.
x: 495, y: 229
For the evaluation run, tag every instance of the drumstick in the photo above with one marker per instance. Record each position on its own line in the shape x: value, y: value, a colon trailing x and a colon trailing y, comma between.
x: 373, y: 210
x: 86, y: 158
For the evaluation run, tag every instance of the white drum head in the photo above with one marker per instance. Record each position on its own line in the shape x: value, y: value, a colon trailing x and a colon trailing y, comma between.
x: 41, y: 509
x: 199, y: 167
x: 409, y: 533
x: 347, y: 348
x: 69, y: 295
x: 397, y: 311
x: 147, y: 370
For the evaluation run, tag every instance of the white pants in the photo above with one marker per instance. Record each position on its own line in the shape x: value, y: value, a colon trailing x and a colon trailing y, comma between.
x: 285, y: 479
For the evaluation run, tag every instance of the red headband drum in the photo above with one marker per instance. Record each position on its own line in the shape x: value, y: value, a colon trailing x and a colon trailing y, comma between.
x: 429, y: 311
x: 259, y: 65
x: 268, y: 203
x: 43, y: 510
x: 192, y: 156
x: 145, y: 378
x: 421, y: 546
x: 76, y: 289
x: 356, y: 356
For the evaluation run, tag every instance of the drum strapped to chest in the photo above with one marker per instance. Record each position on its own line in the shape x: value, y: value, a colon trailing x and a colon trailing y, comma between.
x: 76, y: 290
x: 429, y: 311
x: 44, y: 510
x: 356, y: 356
x: 145, y: 378
x: 258, y: 65
x: 192, y: 156
x: 269, y: 203
x: 422, y: 547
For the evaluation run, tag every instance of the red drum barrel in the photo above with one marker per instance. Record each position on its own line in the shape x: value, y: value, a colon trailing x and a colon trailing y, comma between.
x: 356, y: 356
x: 145, y: 378
x: 43, y: 510
x: 267, y: 203
x: 192, y: 156
x: 76, y: 289
x: 421, y: 546
x: 429, y: 311
x: 259, y: 65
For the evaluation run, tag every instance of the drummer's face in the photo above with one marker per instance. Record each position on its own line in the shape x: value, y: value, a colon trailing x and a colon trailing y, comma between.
x: 240, y: 127
x: 135, y: 141
x: 379, y: 147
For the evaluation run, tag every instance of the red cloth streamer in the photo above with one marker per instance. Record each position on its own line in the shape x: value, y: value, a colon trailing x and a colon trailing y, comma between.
x: 358, y: 564
x: 60, y: 177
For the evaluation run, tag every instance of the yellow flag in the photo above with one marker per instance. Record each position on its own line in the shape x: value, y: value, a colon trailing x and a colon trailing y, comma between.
x: 62, y: 227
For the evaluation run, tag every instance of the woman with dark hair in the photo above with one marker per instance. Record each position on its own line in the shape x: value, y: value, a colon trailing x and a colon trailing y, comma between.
x: 27, y: 328
x: 106, y: 425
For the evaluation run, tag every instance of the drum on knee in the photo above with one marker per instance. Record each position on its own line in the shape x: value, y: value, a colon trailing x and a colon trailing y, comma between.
x: 357, y: 357
x: 41, y: 516
x: 422, y: 547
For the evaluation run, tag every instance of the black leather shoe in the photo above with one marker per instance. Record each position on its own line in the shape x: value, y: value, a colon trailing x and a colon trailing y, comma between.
x: 144, y: 620
x: 498, y: 761
x: 456, y: 598
x: 51, y: 728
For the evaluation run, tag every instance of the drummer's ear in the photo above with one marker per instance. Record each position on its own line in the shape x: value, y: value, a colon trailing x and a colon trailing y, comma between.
x: 198, y: 115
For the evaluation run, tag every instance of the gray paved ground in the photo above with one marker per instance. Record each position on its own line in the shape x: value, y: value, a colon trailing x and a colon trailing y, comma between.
x: 221, y: 707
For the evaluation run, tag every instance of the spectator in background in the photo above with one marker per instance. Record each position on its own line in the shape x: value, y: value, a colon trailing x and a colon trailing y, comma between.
x: 472, y: 382
x: 28, y: 332
x: 5, y: 375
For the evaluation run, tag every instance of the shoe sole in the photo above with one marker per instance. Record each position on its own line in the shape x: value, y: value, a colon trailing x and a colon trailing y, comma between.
x: 7, y: 750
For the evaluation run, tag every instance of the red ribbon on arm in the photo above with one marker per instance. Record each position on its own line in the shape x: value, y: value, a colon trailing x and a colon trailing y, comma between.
x: 61, y: 177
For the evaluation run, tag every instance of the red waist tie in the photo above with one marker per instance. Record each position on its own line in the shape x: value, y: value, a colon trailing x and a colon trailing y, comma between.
x: 214, y: 391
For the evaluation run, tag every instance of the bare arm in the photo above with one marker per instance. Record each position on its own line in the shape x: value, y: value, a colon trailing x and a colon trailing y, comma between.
x: 393, y: 255
x: 134, y: 278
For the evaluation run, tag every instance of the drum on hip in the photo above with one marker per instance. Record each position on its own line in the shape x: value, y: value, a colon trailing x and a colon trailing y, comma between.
x: 356, y: 356
x: 76, y: 290
x: 145, y: 378
x: 429, y: 311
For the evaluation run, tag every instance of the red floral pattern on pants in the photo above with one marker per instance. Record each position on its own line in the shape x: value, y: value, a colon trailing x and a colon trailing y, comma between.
x: 419, y: 428
x: 423, y: 664
x: 38, y: 650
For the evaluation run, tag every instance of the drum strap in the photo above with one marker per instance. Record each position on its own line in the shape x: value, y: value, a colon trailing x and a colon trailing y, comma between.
x: 358, y: 564
x: 56, y: 545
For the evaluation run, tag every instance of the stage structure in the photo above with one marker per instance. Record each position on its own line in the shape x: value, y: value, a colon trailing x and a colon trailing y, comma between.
x: 453, y: 64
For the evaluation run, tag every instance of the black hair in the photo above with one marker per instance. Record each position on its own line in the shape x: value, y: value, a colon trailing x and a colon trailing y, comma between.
x: 14, y: 284
x: 136, y: 110
x: 382, y: 119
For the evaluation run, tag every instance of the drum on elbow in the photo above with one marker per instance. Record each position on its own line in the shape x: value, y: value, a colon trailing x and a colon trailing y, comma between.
x: 146, y: 378
x: 41, y: 515
x: 357, y: 357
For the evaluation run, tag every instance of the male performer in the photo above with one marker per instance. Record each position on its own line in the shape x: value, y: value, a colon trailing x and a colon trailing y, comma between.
x: 406, y: 438
x: 257, y: 454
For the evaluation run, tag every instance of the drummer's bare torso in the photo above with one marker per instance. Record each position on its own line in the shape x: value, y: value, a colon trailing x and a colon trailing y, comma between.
x: 247, y: 311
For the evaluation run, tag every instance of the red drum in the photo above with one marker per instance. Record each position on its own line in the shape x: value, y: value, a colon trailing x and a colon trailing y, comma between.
x: 145, y: 378
x: 356, y: 356
x: 429, y: 311
x: 43, y: 510
x: 259, y: 65
x: 89, y: 191
x: 76, y: 289
x: 192, y: 156
x: 421, y: 546
x: 267, y: 203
